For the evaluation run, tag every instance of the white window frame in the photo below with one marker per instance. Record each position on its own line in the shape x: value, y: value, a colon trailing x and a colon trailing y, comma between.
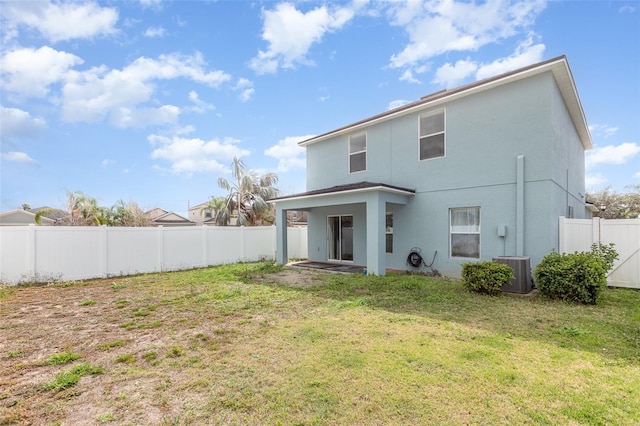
x: 443, y: 133
x: 465, y: 232
x: 355, y: 135
x: 388, y: 231
x: 339, y: 252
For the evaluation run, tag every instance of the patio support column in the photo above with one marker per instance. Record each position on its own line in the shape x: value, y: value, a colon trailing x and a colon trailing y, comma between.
x: 282, y: 257
x: 376, y: 256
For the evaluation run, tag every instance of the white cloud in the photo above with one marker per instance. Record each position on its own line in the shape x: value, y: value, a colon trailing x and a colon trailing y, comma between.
x: 407, y: 76
x: 97, y: 93
x: 155, y: 32
x: 525, y: 54
x: 612, y: 154
x: 627, y: 9
x: 444, y: 26
x: 18, y: 157
x: 18, y: 124
x: 195, y: 155
x: 156, y: 4
x: 291, y: 33
x: 288, y: 153
x: 124, y: 117
x: 602, y: 130
x: 396, y: 104
x: 199, y: 105
x: 451, y: 75
x: 593, y: 181
x: 245, y: 87
x: 59, y: 21
x: 29, y: 72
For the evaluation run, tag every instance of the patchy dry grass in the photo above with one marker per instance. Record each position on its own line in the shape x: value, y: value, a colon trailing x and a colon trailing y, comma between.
x: 256, y: 344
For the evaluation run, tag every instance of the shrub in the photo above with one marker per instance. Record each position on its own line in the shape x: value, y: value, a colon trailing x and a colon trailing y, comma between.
x: 486, y: 277
x: 578, y: 277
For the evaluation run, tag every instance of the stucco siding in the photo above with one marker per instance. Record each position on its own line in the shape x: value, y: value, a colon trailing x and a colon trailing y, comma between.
x: 476, y: 153
x: 513, y: 150
x: 567, y: 159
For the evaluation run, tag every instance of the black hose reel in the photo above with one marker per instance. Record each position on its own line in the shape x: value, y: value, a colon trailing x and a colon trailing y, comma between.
x: 416, y: 260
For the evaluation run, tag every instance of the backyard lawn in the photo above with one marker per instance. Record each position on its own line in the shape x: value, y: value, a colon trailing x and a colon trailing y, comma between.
x: 254, y: 344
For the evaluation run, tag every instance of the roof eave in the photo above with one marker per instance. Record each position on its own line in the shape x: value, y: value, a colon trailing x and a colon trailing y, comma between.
x: 349, y: 191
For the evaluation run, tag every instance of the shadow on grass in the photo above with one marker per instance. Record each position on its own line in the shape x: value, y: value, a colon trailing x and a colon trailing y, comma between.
x: 611, y: 328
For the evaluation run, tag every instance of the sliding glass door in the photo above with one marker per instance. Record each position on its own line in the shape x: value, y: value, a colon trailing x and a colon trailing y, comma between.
x: 340, y: 237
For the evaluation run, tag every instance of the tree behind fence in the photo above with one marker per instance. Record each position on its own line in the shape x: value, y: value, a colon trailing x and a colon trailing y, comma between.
x: 40, y: 254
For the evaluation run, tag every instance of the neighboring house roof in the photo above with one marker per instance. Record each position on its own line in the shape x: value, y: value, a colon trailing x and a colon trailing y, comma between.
x: 558, y: 66
x: 20, y: 217
x: 199, y: 206
x: 160, y: 216
x: 154, y: 213
x: 349, y: 188
x: 55, y: 214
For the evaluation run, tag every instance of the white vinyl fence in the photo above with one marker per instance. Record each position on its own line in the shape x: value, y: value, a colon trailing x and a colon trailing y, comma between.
x: 580, y: 234
x: 45, y: 253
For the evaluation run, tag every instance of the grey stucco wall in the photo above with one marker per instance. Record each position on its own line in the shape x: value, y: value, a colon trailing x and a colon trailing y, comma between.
x: 485, y: 133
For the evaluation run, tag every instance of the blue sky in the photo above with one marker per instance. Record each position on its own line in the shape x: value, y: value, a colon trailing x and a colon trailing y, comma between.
x: 149, y: 101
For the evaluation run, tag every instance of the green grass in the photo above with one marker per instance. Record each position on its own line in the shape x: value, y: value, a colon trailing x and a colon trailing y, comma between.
x: 62, y: 358
x: 236, y: 345
x: 71, y: 377
x: 114, y: 344
x: 126, y: 358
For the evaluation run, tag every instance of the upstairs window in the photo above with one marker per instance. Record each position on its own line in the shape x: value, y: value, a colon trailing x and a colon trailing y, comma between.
x: 432, y: 135
x: 358, y: 153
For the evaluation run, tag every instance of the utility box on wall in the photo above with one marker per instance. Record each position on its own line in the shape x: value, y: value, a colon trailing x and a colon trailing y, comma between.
x: 521, y: 266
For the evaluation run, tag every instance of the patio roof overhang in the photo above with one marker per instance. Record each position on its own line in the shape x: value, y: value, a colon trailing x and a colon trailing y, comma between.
x: 375, y: 196
x: 358, y: 192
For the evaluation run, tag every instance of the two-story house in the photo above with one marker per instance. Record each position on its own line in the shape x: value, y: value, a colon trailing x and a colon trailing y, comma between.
x: 465, y: 174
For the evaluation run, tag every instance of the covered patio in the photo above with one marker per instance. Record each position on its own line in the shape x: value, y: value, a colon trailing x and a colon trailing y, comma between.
x: 373, y: 196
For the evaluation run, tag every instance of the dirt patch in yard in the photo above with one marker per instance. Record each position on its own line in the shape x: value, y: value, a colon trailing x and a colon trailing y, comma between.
x: 156, y: 342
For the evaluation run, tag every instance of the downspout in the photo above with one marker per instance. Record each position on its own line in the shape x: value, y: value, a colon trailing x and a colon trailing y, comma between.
x: 520, y: 205
x: 566, y: 210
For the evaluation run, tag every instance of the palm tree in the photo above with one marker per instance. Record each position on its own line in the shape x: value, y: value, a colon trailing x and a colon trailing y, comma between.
x: 122, y: 214
x: 215, y: 205
x: 83, y: 210
x: 248, y: 195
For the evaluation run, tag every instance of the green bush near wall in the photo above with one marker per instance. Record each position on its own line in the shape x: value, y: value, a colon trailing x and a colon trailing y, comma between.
x: 578, y: 277
x: 486, y: 277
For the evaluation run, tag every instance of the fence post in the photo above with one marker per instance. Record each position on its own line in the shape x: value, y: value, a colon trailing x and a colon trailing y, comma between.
x: 31, y: 252
x: 274, y: 243
x: 562, y: 236
x: 160, y: 249
x: 596, y: 228
x: 104, y: 255
x: 242, y: 253
x: 205, y: 246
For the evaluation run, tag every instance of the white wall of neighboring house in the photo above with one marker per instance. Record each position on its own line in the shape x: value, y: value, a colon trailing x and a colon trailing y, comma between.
x: 40, y: 254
